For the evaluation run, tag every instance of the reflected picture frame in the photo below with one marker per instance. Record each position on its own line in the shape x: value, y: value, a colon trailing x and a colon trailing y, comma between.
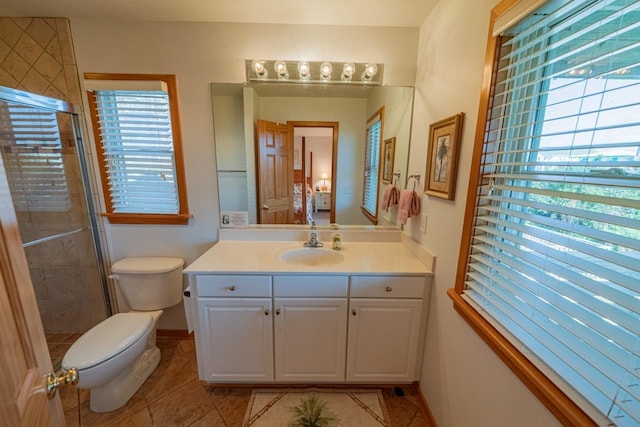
x: 388, y: 156
x: 442, y: 157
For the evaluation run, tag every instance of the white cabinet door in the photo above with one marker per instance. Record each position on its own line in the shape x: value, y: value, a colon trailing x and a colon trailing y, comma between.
x: 310, y: 339
x: 235, y: 339
x: 383, y: 339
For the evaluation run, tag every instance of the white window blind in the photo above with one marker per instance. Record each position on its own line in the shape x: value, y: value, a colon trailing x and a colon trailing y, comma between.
x: 138, y: 151
x: 372, y: 165
x: 555, y: 250
x: 32, y: 154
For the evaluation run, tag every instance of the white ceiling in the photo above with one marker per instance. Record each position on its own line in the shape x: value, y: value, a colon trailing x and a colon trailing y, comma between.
x: 396, y: 13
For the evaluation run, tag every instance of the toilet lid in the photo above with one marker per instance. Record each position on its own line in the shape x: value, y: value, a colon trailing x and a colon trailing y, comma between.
x: 107, y: 339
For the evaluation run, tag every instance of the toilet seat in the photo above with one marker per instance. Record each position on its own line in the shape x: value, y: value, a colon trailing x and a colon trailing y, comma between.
x: 107, y: 339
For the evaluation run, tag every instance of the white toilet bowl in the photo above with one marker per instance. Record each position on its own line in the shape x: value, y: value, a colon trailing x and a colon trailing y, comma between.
x: 115, y: 357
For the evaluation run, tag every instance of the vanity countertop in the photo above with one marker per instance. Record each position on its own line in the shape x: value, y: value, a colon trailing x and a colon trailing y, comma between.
x: 231, y: 256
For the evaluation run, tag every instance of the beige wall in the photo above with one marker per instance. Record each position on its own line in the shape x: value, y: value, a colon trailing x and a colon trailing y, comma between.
x: 202, y: 53
x: 463, y: 381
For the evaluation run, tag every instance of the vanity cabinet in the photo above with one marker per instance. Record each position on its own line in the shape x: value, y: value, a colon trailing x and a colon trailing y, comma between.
x: 235, y: 328
x: 310, y: 328
x: 384, y: 328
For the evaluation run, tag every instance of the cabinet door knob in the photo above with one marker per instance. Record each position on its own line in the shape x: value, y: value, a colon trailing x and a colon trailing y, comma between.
x: 353, y: 311
x: 388, y: 289
x: 232, y: 288
x: 277, y: 312
x: 266, y: 312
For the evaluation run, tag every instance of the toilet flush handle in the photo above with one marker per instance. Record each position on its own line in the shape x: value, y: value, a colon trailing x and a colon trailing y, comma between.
x: 113, y: 276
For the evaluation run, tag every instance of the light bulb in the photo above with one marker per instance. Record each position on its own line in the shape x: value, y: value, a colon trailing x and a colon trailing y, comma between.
x: 281, y: 70
x: 325, y: 71
x: 347, y: 71
x: 258, y: 67
x: 370, y: 70
x: 304, y: 72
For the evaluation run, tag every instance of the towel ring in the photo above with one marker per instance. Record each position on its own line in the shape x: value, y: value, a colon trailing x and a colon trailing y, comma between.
x: 416, y: 179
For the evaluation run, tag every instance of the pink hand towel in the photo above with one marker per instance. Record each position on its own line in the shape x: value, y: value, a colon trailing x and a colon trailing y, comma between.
x: 414, y: 209
x: 408, y: 206
x: 386, y: 197
x: 395, y: 196
x: 404, y: 206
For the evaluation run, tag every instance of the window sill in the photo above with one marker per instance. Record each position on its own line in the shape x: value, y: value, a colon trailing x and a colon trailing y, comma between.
x: 149, y: 219
x: 567, y: 412
x: 373, y: 219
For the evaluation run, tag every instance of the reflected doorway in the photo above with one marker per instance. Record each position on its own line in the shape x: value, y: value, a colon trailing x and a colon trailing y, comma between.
x: 314, y: 163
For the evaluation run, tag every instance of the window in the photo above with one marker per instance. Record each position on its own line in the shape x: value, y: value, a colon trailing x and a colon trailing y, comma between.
x: 550, y: 258
x: 372, y: 165
x: 137, y: 130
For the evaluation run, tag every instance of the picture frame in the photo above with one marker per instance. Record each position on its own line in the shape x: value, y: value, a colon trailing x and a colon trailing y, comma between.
x: 388, y: 156
x: 442, y: 157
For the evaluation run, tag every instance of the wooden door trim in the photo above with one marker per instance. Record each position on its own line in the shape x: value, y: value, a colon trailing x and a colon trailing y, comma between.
x: 334, y: 154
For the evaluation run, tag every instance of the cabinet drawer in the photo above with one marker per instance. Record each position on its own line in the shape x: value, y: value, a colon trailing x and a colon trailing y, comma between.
x: 233, y: 285
x: 310, y: 286
x: 387, y: 286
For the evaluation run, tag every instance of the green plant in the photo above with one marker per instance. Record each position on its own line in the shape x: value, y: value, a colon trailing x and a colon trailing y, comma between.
x: 312, y: 412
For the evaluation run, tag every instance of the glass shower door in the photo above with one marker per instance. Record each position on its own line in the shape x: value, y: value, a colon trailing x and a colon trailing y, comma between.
x: 45, y: 165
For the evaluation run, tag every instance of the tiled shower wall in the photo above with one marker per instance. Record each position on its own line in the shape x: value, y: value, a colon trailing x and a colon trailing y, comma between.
x: 36, y: 55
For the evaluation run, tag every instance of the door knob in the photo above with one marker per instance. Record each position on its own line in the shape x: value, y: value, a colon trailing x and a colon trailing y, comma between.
x: 71, y: 377
x: 265, y: 207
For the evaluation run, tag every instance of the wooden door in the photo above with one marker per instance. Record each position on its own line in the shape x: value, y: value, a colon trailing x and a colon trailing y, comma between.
x: 275, y: 173
x: 310, y: 339
x: 383, y: 339
x: 24, y: 359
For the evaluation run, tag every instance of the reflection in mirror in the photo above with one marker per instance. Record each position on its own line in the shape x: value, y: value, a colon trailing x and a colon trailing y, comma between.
x: 237, y: 109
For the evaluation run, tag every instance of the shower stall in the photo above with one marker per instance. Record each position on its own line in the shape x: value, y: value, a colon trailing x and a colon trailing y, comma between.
x: 46, y: 166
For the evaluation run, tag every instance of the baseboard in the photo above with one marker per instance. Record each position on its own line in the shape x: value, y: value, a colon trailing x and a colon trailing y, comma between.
x: 173, y: 333
x: 431, y: 421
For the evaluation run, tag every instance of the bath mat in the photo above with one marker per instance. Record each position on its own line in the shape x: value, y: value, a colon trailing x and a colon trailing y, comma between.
x: 316, y: 406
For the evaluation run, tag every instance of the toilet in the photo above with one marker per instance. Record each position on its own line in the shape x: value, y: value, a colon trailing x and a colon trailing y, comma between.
x: 115, y: 357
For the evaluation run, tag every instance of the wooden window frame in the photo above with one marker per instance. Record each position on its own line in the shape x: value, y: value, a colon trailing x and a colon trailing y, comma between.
x: 373, y: 218
x: 554, y: 399
x: 183, y: 216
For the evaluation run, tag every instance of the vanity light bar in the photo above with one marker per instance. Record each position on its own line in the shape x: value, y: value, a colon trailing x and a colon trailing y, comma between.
x: 284, y: 71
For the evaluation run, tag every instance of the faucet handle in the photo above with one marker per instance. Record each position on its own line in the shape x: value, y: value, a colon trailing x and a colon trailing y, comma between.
x: 313, y: 225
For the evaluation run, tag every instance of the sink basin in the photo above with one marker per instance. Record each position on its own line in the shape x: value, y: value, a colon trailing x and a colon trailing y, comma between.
x: 313, y: 257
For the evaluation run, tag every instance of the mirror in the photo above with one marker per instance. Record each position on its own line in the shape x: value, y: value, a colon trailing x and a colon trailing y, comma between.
x: 238, y: 107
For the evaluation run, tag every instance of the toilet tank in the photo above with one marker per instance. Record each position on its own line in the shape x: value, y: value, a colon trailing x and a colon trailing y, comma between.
x: 149, y: 283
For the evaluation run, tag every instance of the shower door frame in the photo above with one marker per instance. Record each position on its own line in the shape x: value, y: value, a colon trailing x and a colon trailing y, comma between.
x: 59, y: 106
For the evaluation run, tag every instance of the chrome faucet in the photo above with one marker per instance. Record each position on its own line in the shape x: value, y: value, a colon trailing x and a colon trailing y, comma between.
x: 313, y: 241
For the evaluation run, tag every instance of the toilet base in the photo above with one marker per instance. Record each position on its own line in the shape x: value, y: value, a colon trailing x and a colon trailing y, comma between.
x: 124, y: 385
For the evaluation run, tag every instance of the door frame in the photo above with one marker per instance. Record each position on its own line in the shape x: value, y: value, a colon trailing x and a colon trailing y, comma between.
x: 334, y: 154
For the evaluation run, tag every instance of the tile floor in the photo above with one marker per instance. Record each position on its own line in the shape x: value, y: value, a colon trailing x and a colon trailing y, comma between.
x: 173, y: 396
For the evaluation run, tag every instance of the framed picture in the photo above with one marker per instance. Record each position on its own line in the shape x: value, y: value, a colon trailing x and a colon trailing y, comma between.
x: 442, y: 157
x: 388, y: 154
